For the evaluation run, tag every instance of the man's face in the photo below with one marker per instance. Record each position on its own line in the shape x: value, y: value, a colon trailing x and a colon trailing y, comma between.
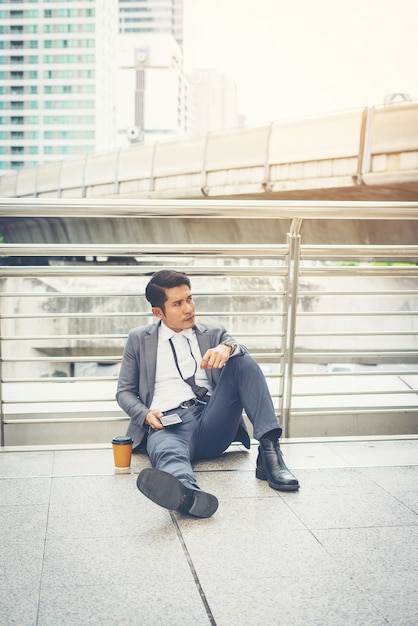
x: 179, y: 309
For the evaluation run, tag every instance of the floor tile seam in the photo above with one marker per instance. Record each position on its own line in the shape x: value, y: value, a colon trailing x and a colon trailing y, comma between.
x: 348, y: 575
x: 295, y: 468
x: 309, y: 467
x: 45, y: 536
x: 394, y: 496
x: 52, y: 476
x: 411, y: 527
x: 211, y: 471
x: 193, y: 570
x: 328, y: 445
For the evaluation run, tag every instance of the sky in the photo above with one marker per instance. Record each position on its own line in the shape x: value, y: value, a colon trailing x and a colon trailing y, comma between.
x: 295, y: 58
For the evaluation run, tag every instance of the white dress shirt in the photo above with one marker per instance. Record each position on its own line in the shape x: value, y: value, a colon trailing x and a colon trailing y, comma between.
x: 170, y: 389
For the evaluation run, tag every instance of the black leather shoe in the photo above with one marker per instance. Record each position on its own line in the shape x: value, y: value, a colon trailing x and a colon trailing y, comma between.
x: 271, y: 467
x: 169, y: 492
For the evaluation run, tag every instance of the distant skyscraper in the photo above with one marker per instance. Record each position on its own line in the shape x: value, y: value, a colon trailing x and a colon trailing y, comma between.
x: 56, y: 79
x: 161, y: 17
x: 214, y: 101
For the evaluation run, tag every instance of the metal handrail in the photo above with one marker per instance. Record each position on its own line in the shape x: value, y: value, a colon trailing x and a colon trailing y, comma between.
x: 285, y: 265
x: 208, y: 208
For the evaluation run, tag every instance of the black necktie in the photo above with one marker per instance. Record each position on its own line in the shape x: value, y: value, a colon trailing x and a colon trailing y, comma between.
x: 201, y: 393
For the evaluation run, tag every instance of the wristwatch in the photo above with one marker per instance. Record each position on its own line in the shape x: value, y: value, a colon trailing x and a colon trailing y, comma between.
x: 232, y: 344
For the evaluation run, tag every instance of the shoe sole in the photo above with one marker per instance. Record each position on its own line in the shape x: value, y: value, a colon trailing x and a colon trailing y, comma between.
x: 169, y: 492
x: 262, y: 476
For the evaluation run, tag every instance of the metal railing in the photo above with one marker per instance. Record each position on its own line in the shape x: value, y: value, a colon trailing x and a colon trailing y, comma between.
x: 333, y: 327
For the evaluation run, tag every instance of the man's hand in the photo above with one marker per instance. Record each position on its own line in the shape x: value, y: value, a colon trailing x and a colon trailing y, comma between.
x: 215, y: 357
x: 153, y: 419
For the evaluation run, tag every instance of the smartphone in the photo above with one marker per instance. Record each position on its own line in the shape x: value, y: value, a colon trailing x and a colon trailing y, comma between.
x: 171, y: 420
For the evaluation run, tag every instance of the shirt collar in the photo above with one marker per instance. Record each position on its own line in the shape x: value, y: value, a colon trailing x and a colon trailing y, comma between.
x: 166, y: 333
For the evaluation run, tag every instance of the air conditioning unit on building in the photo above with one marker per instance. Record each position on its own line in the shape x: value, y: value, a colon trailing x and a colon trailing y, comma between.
x: 133, y: 133
x: 141, y: 56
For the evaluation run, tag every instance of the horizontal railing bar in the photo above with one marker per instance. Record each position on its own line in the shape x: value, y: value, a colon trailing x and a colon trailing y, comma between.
x: 140, y: 314
x: 357, y: 410
x: 140, y: 270
x: 360, y: 353
x: 361, y: 392
x: 136, y: 250
x: 62, y: 337
x: 118, y: 336
x: 65, y: 357
x: 230, y: 250
x: 350, y: 294
x: 90, y: 315
x: 372, y: 333
x: 354, y: 313
x: 88, y: 379
x: 359, y: 270
x: 117, y: 417
x: 134, y: 294
x: 206, y: 209
x: 101, y: 359
x: 35, y: 271
x: 61, y: 379
x: 361, y: 373
x: 65, y: 420
x: 81, y: 379
x: 353, y: 251
x: 57, y: 401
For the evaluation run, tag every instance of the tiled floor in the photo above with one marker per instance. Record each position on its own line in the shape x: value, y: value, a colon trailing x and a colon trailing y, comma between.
x: 81, y: 546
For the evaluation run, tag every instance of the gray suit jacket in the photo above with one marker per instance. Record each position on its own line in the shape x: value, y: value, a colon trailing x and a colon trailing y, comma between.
x: 137, y: 374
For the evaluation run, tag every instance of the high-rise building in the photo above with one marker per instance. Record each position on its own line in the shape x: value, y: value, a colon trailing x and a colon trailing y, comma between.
x: 151, y: 92
x: 151, y: 89
x: 56, y: 79
x: 214, y: 101
x: 142, y: 17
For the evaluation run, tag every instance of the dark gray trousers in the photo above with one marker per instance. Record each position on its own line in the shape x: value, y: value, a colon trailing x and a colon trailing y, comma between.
x: 208, y: 430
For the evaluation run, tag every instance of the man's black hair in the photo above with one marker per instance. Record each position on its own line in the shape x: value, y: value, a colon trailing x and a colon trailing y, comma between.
x: 164, y: 279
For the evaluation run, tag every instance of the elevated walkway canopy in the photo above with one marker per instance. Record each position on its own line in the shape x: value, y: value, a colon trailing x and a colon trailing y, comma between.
x: 360, y: 155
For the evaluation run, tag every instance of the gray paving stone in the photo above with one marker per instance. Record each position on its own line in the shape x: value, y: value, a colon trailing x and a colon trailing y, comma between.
x: 83, y: 462
x: 290, y: 601
x: 150, y: 603
x: 106, y: 560
x: 22, y: 559
x: 239, y: 552
x: 24, y: 491
x: 365, y: 551
x: 353, y: 509
x: 84, y: 546
x: 20, y: 521
x: 384, y: 452
x: 22, y: 464
x: 19, y: 604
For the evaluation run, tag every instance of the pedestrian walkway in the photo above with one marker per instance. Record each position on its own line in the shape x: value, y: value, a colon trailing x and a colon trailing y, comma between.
x: 81, y: 546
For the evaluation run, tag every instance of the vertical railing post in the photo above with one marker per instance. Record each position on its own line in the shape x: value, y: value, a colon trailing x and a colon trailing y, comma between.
x: 291, y: 302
